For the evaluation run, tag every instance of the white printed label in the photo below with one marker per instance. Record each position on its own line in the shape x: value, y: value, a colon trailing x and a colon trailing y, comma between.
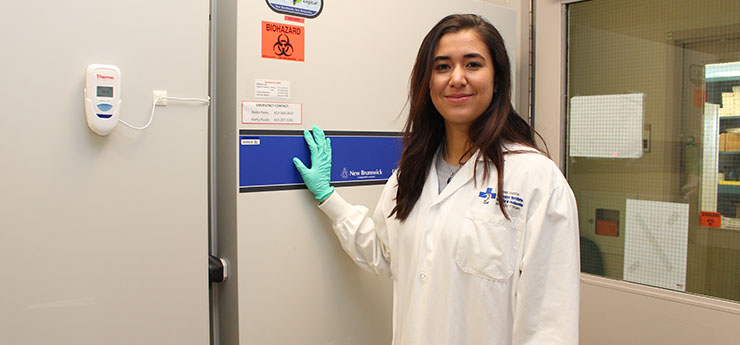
x: 250, y: 141
x: 271, y: 112
x: 266, y: 88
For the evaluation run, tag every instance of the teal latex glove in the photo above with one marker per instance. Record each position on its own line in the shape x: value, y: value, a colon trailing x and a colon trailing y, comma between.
x: 317, y: 178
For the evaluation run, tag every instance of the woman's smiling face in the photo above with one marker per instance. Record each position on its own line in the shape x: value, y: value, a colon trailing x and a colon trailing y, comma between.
x: 461, y: 86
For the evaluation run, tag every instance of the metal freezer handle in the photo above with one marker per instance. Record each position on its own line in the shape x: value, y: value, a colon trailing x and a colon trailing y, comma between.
x: 217, y: 272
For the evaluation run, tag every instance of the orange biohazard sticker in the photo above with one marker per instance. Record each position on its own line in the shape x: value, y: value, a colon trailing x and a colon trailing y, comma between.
x: 710, y: 219
x: 283, y: 41
x: 607, y: 228
x: 700, y: 97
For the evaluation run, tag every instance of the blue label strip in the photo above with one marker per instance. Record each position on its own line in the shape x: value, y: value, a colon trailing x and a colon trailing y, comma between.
x: 358, y: 158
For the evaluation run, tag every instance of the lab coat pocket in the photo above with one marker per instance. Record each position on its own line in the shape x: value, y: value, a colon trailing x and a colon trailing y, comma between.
x: 487, y: 245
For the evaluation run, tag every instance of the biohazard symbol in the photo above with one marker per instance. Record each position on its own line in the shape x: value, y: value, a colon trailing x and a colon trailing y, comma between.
x: 711, y: 219
x: 283, y: 47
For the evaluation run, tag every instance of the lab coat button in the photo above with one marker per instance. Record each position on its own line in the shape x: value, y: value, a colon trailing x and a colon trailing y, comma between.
x: 422, y: 276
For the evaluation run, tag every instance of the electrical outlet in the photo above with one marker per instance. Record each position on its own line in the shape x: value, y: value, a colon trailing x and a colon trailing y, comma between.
x: 162, y: 94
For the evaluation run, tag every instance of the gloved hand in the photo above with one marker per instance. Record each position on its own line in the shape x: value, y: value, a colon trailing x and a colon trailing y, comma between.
x: 317, y: 178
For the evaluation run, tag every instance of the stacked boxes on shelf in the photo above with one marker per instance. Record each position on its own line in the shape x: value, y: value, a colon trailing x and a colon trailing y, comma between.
x: 729, y: 170
x: 729, y: 142
x: 731, y: 102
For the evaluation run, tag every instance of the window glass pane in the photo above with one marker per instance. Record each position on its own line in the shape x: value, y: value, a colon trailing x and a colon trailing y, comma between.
x: 654, y: 141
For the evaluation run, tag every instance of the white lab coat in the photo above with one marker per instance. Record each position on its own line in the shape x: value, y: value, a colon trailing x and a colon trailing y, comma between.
x: 465, y: 275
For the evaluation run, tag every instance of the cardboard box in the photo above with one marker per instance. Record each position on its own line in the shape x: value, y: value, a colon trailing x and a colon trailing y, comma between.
x: 722, y: 141
x: 729, y: 103
x: 732, y: 142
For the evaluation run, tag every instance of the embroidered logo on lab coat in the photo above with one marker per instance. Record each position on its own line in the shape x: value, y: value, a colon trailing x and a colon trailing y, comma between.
x: 511, y: 199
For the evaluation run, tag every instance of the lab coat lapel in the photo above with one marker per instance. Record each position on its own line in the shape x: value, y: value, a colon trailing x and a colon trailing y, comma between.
x: 431, y: 187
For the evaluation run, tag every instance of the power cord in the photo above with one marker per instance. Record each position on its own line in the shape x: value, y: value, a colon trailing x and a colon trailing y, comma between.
x: 154, y: 107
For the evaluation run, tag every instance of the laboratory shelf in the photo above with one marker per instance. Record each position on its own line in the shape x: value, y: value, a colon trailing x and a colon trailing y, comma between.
x: 729, y: 152
x: 729, y: 187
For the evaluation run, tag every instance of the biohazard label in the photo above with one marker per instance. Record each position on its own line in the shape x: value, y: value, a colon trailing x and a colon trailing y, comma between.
x: 710, y: 219
x: 283, y: 41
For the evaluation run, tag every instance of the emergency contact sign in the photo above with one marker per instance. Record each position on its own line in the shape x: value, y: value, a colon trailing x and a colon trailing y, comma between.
x: 271, y: 112
x: 283, y: 41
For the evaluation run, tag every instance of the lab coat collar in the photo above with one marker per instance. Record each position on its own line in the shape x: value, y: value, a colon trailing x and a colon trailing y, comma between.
x: 465, y: 174
x: 512, y: 147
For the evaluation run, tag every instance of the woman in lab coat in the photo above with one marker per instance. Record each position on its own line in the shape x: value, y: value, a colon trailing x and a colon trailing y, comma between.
x: 477, y: 228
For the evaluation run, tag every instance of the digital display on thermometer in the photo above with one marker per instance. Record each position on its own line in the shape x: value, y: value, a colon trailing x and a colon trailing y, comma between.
x: 105, y: 91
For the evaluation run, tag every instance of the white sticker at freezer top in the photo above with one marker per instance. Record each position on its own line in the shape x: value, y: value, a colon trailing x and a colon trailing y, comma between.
x: 250, y: 141
x: 266, y: 88
x: 271, y: 113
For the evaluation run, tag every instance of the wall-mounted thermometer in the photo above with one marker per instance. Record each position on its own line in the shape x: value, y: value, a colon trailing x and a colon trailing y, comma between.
x: 102, y: 97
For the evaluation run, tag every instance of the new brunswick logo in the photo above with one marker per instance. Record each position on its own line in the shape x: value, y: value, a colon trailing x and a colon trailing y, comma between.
x: 487, y: 195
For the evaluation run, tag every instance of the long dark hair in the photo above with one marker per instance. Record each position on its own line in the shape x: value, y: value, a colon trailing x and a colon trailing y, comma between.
x: 425, y: 128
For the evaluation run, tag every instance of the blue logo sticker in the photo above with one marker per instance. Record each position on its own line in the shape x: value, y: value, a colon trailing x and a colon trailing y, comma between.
x: 487, y: 195
x: 510, y: 199
x: 301, y: 8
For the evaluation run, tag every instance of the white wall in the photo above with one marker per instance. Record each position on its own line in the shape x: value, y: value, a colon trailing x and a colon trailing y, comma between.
x: 549, y: 76
x: 616, y: 313
x: 103, y: 240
